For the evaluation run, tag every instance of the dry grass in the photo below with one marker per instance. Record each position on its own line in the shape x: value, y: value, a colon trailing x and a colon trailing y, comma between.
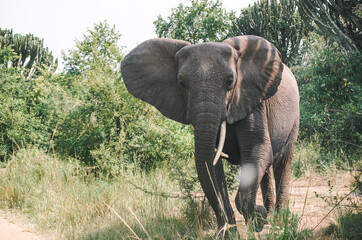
x: 66, y: 202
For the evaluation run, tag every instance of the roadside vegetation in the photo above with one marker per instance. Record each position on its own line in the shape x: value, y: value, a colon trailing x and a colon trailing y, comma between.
x: 82, y: 159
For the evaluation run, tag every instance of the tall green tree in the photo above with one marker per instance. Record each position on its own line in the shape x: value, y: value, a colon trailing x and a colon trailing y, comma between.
x: 204, y: 20
x: 24, y: 52
x: 340, y: 20
x: 98, y: 49
x: 277, y: 21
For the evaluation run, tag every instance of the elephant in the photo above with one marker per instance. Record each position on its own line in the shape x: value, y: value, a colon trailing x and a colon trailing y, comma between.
x: 239, y: 97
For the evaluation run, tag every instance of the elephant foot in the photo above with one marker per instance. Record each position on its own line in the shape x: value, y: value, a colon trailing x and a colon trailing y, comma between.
x: 259, y: 218
x: 227, y: 232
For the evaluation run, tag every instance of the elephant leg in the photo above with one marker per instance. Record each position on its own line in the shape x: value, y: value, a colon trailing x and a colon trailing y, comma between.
x: 282, y: 172
x: 228, y: 213
x: 252, y: 170
x: 267, y: 190
x: 245, y: 199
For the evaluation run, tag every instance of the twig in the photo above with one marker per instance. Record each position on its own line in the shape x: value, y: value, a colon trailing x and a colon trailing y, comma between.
x: 168, y: 195
x: 125, y: 223
x: 135, y: 216
x: 51, y: 139
x: 353, y: 144
x: 218, y: 196
x: 335, y: 207
x: 305, y: 200
x: 16, y: 144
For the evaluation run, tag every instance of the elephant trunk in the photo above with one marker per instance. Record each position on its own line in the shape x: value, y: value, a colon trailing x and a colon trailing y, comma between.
x: 205, y: 139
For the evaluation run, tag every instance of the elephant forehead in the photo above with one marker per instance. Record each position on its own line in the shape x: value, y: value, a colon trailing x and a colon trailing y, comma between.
x: 205, y: 57
x: 205, y: 52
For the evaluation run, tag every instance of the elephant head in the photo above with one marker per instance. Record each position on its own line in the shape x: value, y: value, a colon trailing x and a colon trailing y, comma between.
x: 204, y: 85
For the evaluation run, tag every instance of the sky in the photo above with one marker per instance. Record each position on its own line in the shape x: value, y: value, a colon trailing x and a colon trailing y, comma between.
x: 61, y: 22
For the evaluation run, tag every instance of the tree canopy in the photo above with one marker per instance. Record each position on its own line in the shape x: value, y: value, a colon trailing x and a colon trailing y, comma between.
x: 98, y: 49
x: 204, y: 20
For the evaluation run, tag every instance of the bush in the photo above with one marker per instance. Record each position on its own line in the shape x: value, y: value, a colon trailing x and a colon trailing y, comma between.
x: 29, y: 110
x: 330, y: 105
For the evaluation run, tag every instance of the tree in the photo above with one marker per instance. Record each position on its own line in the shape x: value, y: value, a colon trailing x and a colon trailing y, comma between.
x: 24, y: 52
x: 330, y: 87
x: 340, y: 20
x: 203, y: 21
x: 277, y: 21
x: 98, y: 49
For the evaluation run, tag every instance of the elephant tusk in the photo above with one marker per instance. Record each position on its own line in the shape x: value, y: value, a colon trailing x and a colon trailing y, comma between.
x: 224, y: 155
x: 221, y: 142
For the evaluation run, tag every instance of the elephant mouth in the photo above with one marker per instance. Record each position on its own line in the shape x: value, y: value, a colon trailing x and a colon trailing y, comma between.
x: 221, y: 144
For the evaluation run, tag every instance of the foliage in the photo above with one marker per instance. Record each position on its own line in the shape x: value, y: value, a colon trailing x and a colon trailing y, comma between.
x: 97, y: 50
x: 89, y: 116
x: 349, y: 225
x: 330, y: 84
x: 7, y: 55
x: 29, y: 110
x: 340, y: 20
x: 203, y: 21
x: 29, y: 49
x: 284, y: 225
x: 307, y: 158
x: 277, y: 21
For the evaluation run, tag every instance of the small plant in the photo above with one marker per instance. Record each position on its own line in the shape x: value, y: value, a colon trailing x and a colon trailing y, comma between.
x: 348, y: 208
x: 284, y: 226
x: 197, y: 213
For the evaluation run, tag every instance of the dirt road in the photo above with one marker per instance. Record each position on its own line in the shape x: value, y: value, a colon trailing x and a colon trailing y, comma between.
x: 10, y: 231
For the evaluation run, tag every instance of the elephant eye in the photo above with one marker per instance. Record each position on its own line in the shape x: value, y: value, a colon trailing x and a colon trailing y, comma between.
x: 230, y: 81
x: 182, y: 84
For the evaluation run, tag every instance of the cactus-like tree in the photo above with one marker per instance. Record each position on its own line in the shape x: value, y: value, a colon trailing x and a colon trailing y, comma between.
x: 276, y: 20
x: 339, y: 20
x: 29, y: 49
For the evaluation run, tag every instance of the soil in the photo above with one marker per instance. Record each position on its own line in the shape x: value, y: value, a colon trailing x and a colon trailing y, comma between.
x: 303, y: 201
x: 11, y: 231
x: 315, y: 213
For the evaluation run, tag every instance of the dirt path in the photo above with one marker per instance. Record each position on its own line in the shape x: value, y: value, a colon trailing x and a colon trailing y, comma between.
x: 304, y: 202
x: 315, y: 208
x: 10, y: 231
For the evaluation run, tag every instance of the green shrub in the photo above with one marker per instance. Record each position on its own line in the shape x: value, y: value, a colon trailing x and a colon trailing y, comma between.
x: 29, y: 110
x: 284, y: 226
x: 330, y: 86
x: 350, y: 225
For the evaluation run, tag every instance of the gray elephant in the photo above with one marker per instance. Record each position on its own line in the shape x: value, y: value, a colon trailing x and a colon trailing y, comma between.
x: 240, y: 98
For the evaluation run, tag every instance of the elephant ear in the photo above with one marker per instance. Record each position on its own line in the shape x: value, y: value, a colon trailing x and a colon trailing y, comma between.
x: 259, y: 72
x: 150, y: 73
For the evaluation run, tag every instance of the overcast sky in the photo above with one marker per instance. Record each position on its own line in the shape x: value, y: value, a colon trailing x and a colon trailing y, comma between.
x: 61, y: 22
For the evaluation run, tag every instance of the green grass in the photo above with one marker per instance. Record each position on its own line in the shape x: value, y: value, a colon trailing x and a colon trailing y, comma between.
x: 65, y: 201
x: 310, y: 158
